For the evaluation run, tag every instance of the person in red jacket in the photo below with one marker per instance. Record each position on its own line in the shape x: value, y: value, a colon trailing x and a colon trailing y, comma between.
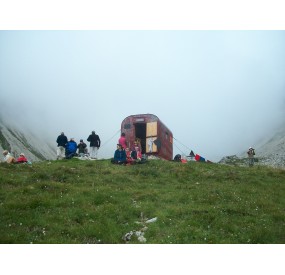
x: 122, y: 140
x: 130, y: 160
x: 22, y: 158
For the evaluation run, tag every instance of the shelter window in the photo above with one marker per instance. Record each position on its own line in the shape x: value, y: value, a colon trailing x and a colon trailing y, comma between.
x: 166, y: 135
x: 127, y: 126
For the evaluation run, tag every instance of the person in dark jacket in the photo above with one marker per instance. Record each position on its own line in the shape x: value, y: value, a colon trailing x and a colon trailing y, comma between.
x: 70, y: 150
x: 95, y: 143
x: 120, y: 156
x: 61, y: 144
x: 82, y: 148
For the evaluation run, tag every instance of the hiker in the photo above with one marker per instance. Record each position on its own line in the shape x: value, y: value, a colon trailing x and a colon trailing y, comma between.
x: 250, y: 154
x: 95, y: 143
x: 82, y: 148
x: 22, y: 158
x: 136, y: 155
x: 177, y: 158
x: 70, y: 150
x: 61, y: 144
x: 123, y: 141
x: 8, y: 158
x: 137, y: 143
x: 130, y: 160
x: 120, y: 156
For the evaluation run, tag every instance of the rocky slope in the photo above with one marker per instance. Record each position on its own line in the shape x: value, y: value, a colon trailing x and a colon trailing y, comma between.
x: 271, y: 152
x: 17, y: 141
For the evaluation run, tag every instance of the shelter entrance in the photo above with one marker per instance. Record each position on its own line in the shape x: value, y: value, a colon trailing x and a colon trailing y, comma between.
x: 140, y: 132
x: 147, y: 133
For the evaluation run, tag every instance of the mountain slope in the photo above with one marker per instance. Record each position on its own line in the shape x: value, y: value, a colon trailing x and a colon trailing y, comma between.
x: 272, y: 152
x: 17, y: 141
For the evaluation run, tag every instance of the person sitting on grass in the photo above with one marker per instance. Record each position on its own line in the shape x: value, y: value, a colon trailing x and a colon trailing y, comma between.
x: 120, y: 156
x: 22, y: 158
x: 130, y: 160
x: 136, y: 155
x: 122, y: 140
x: 8, y: 157
x: 82, y: 148
x: 70, y: 150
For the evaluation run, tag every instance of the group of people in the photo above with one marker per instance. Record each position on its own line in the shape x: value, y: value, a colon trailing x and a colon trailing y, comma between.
x: 10, y: 159
x: 127, y: 156
x: 123, y: 154
x: 68, y: 149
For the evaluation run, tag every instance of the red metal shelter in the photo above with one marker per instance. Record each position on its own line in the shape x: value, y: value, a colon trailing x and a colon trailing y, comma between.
x: 155, y: 138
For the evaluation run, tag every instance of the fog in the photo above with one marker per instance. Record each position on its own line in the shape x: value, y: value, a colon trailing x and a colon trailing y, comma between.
x: 219, y: 92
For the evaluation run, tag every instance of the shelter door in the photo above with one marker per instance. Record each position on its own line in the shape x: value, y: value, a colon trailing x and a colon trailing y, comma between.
x: 151, y: 136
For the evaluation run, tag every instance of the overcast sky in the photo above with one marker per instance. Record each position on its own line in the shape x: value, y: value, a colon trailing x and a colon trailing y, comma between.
x: 218, y: 91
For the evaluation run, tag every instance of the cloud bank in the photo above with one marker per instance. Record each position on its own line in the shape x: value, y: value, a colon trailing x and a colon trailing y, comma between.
x: 218, y: 91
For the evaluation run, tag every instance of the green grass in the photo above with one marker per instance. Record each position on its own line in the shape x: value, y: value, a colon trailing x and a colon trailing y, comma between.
x: 74, y: 201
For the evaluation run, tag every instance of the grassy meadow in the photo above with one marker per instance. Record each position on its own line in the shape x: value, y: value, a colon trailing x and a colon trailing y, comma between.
x: 75, y: 201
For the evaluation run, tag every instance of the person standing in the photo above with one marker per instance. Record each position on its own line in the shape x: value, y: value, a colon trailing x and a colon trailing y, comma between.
x: 250, y: 154
x: 95, y: 143
x: 61, y: 143
x: 123, y: 141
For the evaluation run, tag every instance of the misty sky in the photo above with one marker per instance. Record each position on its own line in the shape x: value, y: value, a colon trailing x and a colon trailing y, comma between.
x: 218, y: 91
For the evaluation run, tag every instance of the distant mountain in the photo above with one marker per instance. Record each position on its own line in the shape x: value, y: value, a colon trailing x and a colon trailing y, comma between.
x: 16, y: 141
